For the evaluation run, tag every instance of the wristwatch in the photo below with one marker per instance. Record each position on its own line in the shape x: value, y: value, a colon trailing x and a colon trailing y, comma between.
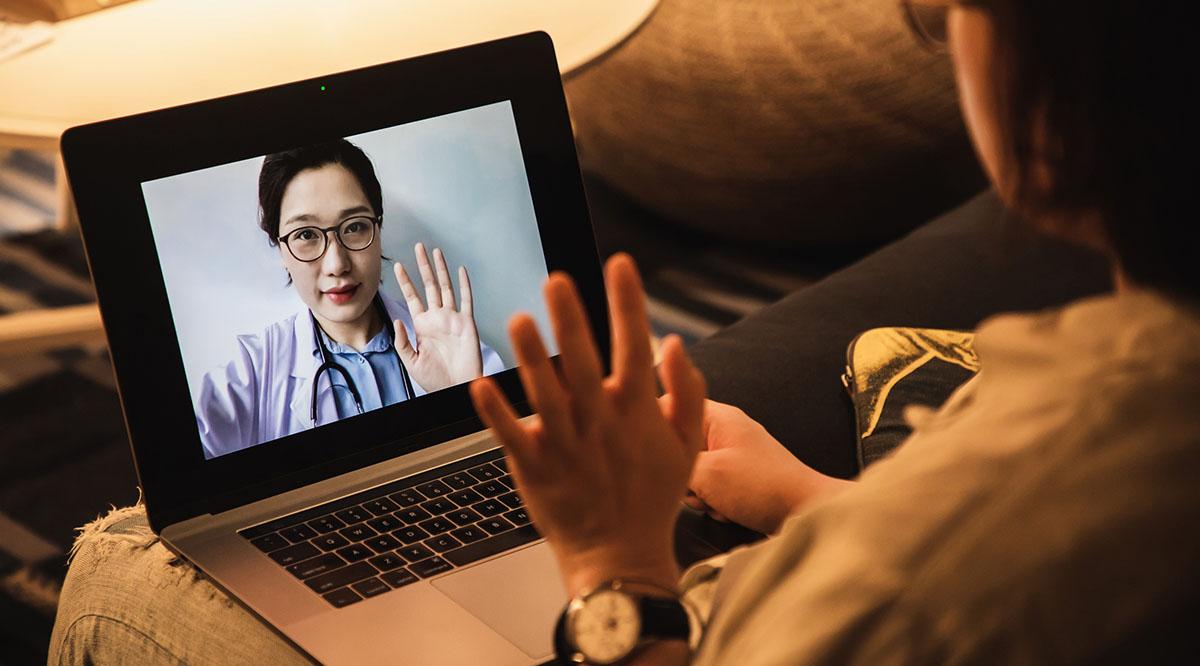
x: 610, y: 622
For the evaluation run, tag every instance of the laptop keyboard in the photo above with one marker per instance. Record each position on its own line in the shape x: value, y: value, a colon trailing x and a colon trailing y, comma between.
x: 381, y: 539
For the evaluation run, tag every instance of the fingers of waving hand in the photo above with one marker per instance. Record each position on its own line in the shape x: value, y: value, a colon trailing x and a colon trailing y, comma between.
x: 541, y: 381
x: 683, y: 404
x: 581, y: 367
x: 432, y: 295
x: 415, y: 306
x: 464, y: 289
x: 498, y: 414
x: 632, y: 358
x: 443, y: 278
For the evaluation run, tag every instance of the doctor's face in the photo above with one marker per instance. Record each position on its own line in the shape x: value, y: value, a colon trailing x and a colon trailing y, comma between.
x: 339, y: 286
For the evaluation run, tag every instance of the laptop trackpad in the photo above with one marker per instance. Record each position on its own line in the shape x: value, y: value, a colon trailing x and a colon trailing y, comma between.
x: 519, y: 596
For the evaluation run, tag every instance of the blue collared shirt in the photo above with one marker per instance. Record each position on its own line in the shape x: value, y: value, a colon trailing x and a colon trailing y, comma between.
x: 375, y: 371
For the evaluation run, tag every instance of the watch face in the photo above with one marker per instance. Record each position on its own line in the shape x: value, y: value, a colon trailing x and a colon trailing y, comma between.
x: 606, y: 627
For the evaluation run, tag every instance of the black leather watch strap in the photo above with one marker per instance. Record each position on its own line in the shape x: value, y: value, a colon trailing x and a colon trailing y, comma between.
x: 664, y: 619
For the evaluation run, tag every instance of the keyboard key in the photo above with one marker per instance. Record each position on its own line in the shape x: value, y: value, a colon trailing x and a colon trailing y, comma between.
x: 437, y: 525
x: 512, y: 500
x: 469, y: 534
x: 399, y: 578
x: 326, y: 524
x: 370, y: 587
x: 495, y: 525
x: 342, y: 598
x: 501, y: 464
x: 382, y: 544
x: 381, y: 507
x: 508, y: 481
x: 439, y: 506
x: 407, y: 497
x: 485, y: 472
x: 489, y: 507
x: 328, y: 542
x: 357, y: 532
x: 412, y: 514
x: 387, y: 561
x: 385, y: 523
x: 443, y: 543
x: 298, y: 533
x: 315, y: 566
x: 269, y: 542
x: 465, y: 497
x: 517, y: 517
x: 430, y: 567
x: 491, y: 488
x: 294, y: 554
x: 463, y: 516
x: 341, y: 577
x: 488, y: 547
x: 355, y: 514
x: 415, y: 552
x: 410, y: 534
x: 434, y: 489
x: 355, y: 552
x: 459, y: 481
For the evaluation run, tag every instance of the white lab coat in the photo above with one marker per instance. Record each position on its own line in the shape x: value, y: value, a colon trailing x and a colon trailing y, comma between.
x: 265, y: 392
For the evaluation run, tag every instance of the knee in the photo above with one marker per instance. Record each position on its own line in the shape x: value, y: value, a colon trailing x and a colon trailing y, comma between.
x: 127, y: 599
x: 102, y: 610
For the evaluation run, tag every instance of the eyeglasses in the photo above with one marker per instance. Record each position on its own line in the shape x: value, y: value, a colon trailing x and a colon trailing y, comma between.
x: 927, y: 18
x: 309, y: 243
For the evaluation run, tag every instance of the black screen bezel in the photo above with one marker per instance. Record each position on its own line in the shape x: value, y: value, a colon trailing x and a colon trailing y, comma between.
x: 107, y: 162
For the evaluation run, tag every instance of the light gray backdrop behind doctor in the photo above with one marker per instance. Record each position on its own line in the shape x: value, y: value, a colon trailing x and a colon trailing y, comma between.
x: 456, y: 182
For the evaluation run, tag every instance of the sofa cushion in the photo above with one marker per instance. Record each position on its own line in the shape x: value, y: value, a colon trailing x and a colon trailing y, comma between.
x: 776, y: 122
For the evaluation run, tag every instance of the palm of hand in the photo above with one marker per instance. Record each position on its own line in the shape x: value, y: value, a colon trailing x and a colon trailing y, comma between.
x: 447, y: 349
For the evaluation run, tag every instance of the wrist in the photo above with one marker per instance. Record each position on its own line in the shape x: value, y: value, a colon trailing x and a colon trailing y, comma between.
x: 586, y: 570
x: 815, y: 485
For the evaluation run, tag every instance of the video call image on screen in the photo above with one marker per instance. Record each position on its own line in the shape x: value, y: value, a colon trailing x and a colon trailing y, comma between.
x: 285, y: 273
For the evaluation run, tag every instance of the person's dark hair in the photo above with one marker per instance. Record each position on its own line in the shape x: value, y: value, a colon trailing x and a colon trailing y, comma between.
x: 1105, y: 84
x: 278, y: 169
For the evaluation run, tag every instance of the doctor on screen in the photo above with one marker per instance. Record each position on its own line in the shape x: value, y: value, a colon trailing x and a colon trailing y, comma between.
x: 352, y: 348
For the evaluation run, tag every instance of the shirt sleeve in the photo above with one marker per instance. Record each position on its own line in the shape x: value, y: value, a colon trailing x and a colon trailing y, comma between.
x: 492, y: 363
x: 225, y: 413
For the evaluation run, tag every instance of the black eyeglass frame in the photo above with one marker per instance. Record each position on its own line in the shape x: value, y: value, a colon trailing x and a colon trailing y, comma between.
x: 377, y: 221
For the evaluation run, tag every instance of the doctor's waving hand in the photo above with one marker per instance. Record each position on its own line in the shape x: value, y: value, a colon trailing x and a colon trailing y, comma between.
x: 447, y: 350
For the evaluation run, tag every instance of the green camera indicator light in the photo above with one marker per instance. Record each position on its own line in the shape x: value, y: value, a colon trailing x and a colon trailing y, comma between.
x: 322, y: 88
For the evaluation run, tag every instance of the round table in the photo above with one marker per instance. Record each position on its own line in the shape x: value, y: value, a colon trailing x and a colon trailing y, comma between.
x: 149, y: 54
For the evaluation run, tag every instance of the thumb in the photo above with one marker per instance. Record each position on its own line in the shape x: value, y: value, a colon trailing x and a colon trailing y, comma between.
x: 408, y: 355
x: 684, y: 409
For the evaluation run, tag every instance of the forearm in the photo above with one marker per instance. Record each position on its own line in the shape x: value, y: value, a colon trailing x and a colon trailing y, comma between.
x: 819, y: 485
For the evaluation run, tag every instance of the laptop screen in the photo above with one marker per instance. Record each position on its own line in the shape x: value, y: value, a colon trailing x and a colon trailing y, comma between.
x: 315, y: 284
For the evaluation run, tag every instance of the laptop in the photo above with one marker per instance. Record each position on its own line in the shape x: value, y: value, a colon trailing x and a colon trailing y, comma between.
x: 378, y: 524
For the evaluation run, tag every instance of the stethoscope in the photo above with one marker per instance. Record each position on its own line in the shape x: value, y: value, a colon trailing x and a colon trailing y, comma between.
x: 328, y: 365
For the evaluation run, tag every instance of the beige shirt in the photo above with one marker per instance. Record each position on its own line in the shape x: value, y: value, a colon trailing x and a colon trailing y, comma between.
x: 1051, y: 507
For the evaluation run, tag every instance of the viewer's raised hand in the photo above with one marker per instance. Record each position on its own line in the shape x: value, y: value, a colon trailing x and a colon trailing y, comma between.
x: 446, y: 350
x: 602, y: 466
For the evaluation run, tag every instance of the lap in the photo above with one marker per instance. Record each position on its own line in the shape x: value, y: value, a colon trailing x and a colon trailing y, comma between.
x: 127, y: 599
